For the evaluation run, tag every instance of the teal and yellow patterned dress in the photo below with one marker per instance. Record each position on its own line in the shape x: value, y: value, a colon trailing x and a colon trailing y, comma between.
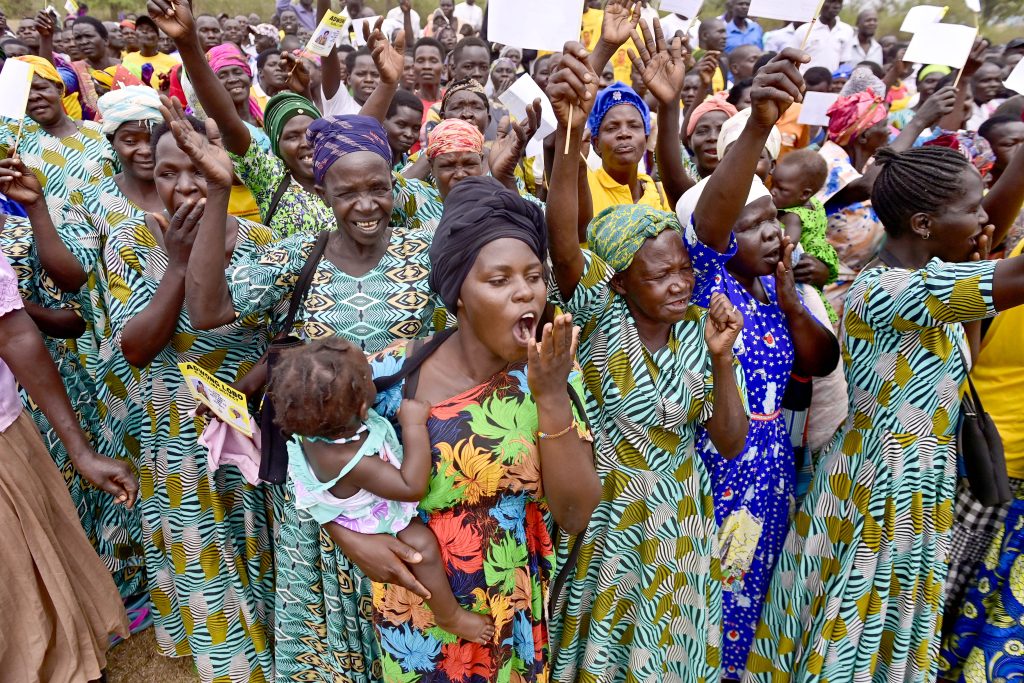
x: 644, y: 601
x: 859, y: 588
x: 207, y: 535
x: 324, y: 629
x: 106, y: 524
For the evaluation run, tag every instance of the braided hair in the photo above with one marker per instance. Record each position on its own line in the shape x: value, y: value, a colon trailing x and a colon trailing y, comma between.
x: 920, y: 180
x: 319, y: 389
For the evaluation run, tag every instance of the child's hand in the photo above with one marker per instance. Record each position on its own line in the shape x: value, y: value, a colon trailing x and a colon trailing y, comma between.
x: 811, y: 271
x: 414, y: 412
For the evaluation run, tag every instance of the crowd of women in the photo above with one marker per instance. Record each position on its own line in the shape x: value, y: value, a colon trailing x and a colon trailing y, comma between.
x: 675, y: 398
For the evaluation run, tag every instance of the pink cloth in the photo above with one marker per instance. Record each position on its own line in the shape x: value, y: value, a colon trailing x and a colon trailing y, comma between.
x: 226, y: 55
x: 851, y: 115
x: 228, y: 446
x: 10, y: 300
x: 719, y: 102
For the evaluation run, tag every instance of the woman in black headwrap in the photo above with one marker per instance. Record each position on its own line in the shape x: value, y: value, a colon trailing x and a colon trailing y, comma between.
x: 506, y: 440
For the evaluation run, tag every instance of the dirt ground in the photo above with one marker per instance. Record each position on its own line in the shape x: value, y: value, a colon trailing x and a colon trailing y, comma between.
x: 137, y: 660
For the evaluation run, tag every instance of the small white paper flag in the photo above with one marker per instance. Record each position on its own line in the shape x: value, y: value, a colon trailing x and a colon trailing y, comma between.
x: 357, y: 29
x: 1015, y: 81
x: 974, y: 6
x: 15, y: 84
x: 814, y: 111
x: 785, y: 10
x: 534, y: 24
x: 922, y: 16
x: 947, y: 44
x: 686, y: 8
x: 521, y: 94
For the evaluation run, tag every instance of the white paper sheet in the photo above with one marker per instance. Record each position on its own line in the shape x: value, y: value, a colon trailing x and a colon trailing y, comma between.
x: 686, y: 8
x: 785, y: 10
x: 357, y: 28
x: 534, y: 24
x: 948, y: 44
x: 1015, y: 81
x: 974, y: 5
x: 521, y: 94
x: 814, y: 111
x: 922, y: 16
x: 15, y: 83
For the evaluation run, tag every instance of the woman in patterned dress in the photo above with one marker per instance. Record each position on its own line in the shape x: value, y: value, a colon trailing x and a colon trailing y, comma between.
x: 508, y: 449
x: 370, y: 287
x: 207, y: 534
x: 643, y: 600
x: 858, y: 589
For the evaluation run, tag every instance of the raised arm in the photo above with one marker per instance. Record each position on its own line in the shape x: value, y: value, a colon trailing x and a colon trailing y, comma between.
x: 176, y: 20
x: 572, y: 87
x: 777, y: 86
x: 330, y: 69
x: 954, y: 118
x: 46, y: 24
x: 815, y: 348
x: 390, y: 61
x: 620, y: 18
x: 20, y: 184
x: 663, y: 70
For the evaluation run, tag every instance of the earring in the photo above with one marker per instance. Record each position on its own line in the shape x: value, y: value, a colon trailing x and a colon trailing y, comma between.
x: 927, y: 234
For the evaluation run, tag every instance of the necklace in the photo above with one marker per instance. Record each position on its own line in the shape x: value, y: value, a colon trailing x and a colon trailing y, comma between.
x: 355, y: 437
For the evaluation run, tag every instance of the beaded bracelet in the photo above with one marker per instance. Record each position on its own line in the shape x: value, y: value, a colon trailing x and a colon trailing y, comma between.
x: 550, y: 437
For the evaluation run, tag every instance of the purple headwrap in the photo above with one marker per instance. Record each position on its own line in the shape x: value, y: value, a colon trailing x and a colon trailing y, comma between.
x: 335, y: 136
x: 226, y: 55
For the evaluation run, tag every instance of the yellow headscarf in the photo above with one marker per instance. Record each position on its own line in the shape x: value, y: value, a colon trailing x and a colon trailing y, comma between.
x: 45, y: 69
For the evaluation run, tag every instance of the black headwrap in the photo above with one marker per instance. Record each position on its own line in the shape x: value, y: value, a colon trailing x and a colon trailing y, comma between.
x: 478, y: 211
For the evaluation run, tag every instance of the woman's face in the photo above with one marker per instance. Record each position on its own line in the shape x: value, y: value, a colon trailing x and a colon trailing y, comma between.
x: 468, y: 106
x: 704, y: 141
x: 237, y: 82
x: 1005, y: 139
x: 659, y: 282
x: 758, y: 240
x: 166, y: 45
x: 449, y: 169
x: 271, y: 77
x: 289, y: 22
x: 403, y: 129
x: 428, y: 64
x: 131, y: 39
x: 448, y: 38
x: 955, y: 228
x: 357, y: 187
x: 176, y: 177
x: 927, y: 86
x: 295, y: 149
x: 147, y: 37
x: 409, y: 74
x: 543, y: 72
x: 89, y: 42
x: 503, y: 297
x: 131, y: 142
x: 744, y: 101
x: 691, y: 84
x: 765, y: 166
x: 503, y: 72
x: 875, y: 137
x: 607, y: 77
x: 621, y: 139
x: 44, y: 104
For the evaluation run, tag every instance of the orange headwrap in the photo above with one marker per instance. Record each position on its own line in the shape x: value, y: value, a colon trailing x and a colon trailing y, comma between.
x: 454, y: 135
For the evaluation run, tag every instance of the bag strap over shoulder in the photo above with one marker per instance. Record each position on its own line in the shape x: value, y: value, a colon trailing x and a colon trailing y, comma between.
x: 305, y: 279
x: 282, y: 187
x: 415, y: 358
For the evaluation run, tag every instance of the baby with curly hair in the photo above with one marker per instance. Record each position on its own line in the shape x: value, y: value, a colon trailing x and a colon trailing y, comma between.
x: 348, y: 465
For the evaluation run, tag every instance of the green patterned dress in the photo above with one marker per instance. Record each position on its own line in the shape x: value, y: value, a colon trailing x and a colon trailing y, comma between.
x: 207, y: 535
x: 859, y: 587
x: 324, y: 627
x: 644, y: 602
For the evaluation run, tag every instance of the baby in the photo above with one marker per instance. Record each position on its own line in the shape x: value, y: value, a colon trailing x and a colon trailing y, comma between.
x: 348, y: 466
x: 797, y: 177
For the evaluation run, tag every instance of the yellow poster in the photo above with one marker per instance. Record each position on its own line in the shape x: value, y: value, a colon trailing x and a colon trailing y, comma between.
x: 226, y: 402
x: 325, y: 37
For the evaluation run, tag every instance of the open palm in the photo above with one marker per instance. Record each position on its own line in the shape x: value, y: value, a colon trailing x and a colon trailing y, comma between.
x: 662, y: 68
x: 620, y: 19
x: 173, y: 18
x: 389, y: 59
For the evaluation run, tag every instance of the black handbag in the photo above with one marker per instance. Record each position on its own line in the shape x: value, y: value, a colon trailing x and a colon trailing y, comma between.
x: 274, y: 444
x: 981, y: 450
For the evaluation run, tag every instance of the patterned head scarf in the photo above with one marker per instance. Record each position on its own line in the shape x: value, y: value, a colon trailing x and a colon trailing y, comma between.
x: 133, y: 103
x: 851, y: 115
x: 335, y: 136
x: 44, y: 68
x: 470, y: 84
x: 615, y: 94
x: 972, y: 146
x: 478, y: 211
x: 454, y: 135
x: 227, y: 55
x: 267, y: 30
x: 863, y: 80
x: 617, y: 233
x: 719, y: 102
x: 732, y: 128
x: 282, y: 108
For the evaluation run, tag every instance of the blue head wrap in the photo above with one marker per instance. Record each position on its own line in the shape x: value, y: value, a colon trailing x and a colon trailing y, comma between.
x: 335, y: 136
x: 615, y: 94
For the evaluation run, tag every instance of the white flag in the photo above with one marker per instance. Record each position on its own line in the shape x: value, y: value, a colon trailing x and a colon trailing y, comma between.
x: 15, y: 83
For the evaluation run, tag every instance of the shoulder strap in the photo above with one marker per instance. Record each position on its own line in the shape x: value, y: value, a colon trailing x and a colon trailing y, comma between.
x: 305, y: 279
x: 282, y: 187
x: 414, y: 361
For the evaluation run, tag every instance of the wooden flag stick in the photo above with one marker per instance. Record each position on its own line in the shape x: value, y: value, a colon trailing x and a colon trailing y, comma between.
x: 17, y: 138
x: 568, y: 132
x: 810, y: 26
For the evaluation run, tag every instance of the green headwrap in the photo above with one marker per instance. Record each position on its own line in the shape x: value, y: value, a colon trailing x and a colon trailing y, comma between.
x: 280, y: 110
x: 933, y: 69
x: 618, y: 232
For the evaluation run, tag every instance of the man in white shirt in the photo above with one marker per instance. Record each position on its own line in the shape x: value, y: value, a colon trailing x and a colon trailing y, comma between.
x: 830, y: 38
x: 469, y: 12
x: 395, y: 21
x: 671, y: 24
x: 864, y: 47
x: 779, y: 39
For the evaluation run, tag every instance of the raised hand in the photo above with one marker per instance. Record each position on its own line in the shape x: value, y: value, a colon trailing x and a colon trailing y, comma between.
x: 110, y: 475
x: 414, y: 412
x: 173, y: 17
x: 620, y: 19
x: 18, y: 182
x: 45, y: 23
x: 295, y: 71
x: 572, y: 87
x: 662, y: 67
x: 723, y: 326
x: 707, y: 66
x: 811, y: 271
x: 506, y: 150
x: 984, y: 248
x: 785, y: 283
x: 550, y: 360
x: 390, y: 59
x: 777, y: 86
x: 180, y: 232
x: 976, y: 58
x: 941, y: 103
x: 533, y: 115
x: 207, y: 153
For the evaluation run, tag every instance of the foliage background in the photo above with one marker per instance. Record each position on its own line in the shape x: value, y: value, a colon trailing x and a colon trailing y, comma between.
x: 1000, y: 19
